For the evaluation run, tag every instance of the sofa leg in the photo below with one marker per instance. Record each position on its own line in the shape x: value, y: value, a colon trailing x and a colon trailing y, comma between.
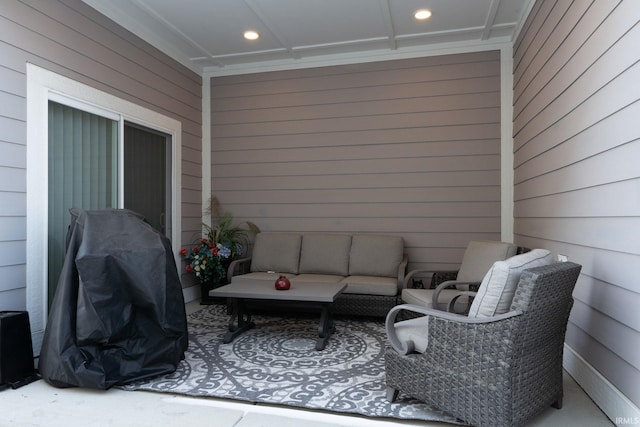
x: 557, y: 404
x: 392, y: 394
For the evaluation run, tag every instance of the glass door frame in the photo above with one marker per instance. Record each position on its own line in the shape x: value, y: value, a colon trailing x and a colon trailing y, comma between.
x: 42, y: 86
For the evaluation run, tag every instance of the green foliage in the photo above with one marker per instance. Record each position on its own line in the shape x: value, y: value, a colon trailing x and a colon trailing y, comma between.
x: 224, y: 232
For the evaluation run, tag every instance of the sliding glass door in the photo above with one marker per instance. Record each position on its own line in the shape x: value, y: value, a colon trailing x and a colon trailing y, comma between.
x: 147, y: 175
x: 44, y: 89
x: 88, y: 168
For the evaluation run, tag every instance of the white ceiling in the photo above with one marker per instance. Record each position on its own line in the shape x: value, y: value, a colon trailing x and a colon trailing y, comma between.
x: 206, y: 35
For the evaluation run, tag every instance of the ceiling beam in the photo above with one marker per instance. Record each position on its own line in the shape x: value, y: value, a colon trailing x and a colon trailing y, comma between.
x: 491, y: 18
x: 284, y: 43
x: 388, y: 22
x: 152, y: 12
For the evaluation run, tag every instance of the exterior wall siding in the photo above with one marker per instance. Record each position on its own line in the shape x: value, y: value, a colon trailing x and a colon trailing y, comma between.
x: 576, y: 174
x: 407, y: 147
x: 72, y: 39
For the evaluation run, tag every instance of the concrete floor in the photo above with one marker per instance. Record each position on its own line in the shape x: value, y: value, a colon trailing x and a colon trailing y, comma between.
x: 39, y: 404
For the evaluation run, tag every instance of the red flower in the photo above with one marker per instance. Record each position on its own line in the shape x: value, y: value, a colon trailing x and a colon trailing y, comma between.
x: 183, y: 251
x: 189, y: 269
x: 196, y: 249
x: 214, y: 251
x: 211, y: 245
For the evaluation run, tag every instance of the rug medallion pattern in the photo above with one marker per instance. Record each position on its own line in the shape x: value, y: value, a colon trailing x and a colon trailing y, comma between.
x: 276, y: 362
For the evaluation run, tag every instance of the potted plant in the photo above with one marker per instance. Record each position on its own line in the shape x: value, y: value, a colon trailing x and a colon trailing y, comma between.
x: 210, y: 257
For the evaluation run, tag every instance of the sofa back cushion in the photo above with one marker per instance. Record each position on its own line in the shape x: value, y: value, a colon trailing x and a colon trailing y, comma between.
x: 373, y: 255
x: 499, y: 284
x: 325, y: 254
x: 278, y: 252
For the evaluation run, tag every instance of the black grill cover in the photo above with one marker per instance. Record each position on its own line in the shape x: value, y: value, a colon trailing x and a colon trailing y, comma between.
x: 118, y: 313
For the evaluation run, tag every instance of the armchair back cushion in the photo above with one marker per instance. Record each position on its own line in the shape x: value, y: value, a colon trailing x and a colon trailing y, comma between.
x: 499, y: 284
x: 325, y: 254
x: 480, y: 256
x: 277, y: 252
x: 373, y: 255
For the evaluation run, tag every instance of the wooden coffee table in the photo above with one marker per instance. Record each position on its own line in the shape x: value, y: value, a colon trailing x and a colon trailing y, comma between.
x: 305, y: 294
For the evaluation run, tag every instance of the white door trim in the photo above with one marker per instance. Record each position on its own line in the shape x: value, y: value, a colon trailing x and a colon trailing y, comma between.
x: 43, y: 85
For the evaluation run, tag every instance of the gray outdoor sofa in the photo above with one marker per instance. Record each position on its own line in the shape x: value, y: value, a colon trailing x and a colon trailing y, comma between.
x: 372, y: 266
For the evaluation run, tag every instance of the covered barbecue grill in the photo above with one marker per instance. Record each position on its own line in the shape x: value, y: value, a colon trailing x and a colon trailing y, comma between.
x: 118, y: 314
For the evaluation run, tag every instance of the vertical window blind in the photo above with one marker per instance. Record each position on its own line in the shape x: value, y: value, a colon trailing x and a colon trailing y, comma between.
x: 82, y: 173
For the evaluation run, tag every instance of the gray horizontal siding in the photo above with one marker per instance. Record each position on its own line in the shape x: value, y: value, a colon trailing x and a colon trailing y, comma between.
x: 409, y: 148
x: 577, y: 180
x: 72, y: 39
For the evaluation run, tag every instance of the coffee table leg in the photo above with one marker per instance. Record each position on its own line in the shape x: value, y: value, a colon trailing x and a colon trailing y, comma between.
x: 325, y: 329
x: 239, y: 322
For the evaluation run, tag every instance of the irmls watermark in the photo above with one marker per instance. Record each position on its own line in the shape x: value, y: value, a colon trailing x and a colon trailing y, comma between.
x: 627, y: 420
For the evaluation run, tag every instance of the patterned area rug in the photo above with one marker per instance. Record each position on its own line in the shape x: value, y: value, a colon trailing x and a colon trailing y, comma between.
x: 276, y: 362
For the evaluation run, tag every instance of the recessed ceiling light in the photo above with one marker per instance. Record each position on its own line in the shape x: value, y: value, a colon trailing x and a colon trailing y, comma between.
x: 422, y: 14
x: 251, y: 35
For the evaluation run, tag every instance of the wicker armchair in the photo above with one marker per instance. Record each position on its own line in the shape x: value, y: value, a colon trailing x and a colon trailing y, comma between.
x: 476, y: 261
x: 491, y: 371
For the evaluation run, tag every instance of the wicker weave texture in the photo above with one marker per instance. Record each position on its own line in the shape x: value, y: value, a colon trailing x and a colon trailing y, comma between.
x: 500, y: 373
x: 364, y: 305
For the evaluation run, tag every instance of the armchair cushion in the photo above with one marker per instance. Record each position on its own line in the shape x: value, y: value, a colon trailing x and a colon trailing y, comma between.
x: 499, y: 284
x: 424, y: 298
x: 277, y: 252
x: 479, y: 256
x: 411, y: 335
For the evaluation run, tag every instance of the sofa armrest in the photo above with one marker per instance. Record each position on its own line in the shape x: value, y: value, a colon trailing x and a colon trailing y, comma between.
x: 238, y: 266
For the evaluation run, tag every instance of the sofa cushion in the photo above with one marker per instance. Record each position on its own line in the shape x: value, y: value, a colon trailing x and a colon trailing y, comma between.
x: 278, y: 252
x: 269, y: 279
x: 499, y: 284
x: 373, y: 255
x: 371, y: 285
x: 318, y: 278
x: 325, y: 254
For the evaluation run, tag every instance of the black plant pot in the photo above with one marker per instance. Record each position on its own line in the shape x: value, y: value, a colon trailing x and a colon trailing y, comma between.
x: 205, y: 299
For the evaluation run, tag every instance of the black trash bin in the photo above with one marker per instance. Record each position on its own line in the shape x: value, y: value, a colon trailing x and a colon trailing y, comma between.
x: 16, y: 350
x: 118, y: 313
